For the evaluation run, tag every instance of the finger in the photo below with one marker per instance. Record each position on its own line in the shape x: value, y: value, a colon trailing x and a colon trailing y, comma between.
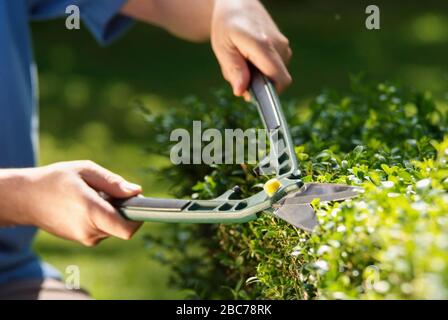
x: 271, y: 64
x: 266, y: 58
x: 104, y: 180
x: 234, y: 68
x: 247, y: 97
x: 107, y: 220
x: 94, y: 240
x: 284, y: 52
x: 283, y: 49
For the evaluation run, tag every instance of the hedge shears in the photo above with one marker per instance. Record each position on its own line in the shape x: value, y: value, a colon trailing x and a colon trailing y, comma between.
x: 285, y: 196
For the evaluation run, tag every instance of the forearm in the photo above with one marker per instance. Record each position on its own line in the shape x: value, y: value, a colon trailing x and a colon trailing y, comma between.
x: 12, y: 193
x: 188, y: 19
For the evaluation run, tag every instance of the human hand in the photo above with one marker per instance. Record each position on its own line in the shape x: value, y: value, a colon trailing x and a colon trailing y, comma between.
x: 243, y: 31
x: 63, y: 199
x: 240, y: 31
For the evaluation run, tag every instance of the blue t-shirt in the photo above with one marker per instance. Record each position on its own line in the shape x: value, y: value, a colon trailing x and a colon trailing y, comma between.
x: 18, y: 103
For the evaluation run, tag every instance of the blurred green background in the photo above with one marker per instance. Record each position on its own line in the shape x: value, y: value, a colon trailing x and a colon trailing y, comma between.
x: 88, y: 94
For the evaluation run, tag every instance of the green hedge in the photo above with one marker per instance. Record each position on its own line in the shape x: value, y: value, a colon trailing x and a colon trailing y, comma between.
x: 391, y: 242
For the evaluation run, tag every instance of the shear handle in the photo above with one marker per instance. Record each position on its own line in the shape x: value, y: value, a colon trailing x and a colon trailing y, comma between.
x: 155, y: 204
x: 264, y: 95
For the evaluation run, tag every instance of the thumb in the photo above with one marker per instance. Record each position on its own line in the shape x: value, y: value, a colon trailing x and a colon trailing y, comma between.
x: 234, y: 68
x: 108, y: 182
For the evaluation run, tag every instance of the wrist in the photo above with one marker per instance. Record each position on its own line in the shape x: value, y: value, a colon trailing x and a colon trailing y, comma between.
x: 14, y: 185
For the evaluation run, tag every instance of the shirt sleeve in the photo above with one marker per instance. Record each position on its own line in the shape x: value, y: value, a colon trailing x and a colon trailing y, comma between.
x: 101, y: 17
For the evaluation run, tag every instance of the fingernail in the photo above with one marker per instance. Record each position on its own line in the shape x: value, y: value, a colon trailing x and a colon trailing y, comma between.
x: 128, y: 186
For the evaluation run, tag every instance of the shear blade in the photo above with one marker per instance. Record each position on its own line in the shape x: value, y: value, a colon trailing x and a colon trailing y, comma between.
x: 296, y: 208
x: 301, y: 216
x: 323, y: 191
